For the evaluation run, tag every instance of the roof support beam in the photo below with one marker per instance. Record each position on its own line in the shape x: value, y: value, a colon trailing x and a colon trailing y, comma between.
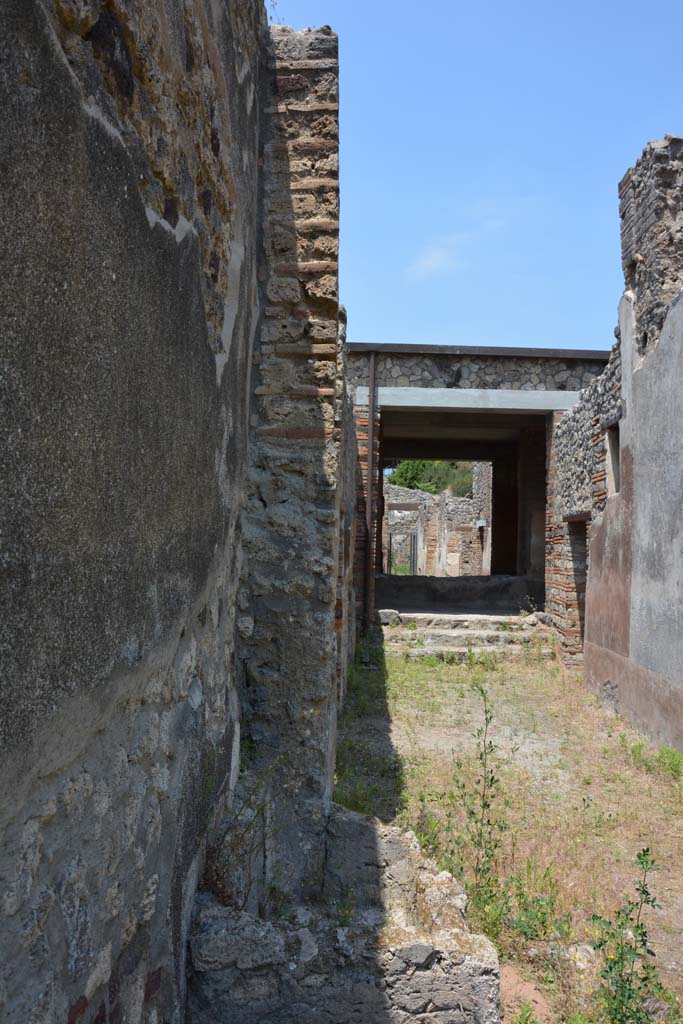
x: 470, y: 399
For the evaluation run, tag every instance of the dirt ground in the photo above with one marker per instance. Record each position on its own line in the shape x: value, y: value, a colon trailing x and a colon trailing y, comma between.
x: 581, y: 792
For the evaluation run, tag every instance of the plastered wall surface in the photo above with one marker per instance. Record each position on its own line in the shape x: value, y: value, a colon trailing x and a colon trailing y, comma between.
x: 129, y: 297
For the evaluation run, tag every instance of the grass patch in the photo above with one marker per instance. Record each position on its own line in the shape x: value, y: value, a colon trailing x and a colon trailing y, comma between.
x: 579, y: 790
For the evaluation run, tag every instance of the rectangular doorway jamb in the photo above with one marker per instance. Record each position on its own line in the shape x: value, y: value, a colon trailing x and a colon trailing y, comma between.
x: 369, y: 493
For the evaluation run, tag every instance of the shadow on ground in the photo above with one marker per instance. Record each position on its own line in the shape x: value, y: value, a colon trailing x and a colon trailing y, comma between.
x: 384, y: 942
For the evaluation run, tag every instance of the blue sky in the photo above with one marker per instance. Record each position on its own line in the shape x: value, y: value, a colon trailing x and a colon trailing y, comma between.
x: 481, y: 148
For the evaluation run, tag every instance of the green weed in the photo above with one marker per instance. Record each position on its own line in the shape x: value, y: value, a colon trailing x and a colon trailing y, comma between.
x: 533, y: 900
x: 480, y: 841
x: 670, y: 762
x: 629, y: 981
x: 526, y: 1015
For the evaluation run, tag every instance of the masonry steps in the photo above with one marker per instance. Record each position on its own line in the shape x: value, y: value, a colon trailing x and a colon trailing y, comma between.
x: 388, y: 617
x: 456, y: 637
x: 460, y: 655
x: 460, y: 636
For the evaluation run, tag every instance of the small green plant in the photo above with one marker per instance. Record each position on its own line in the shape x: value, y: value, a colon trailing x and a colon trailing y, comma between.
x: 343, y: 912
x: 428, y: 829
x: 670, y: 762
x: 533, y: 898
x: 526, y: 1015
x: 487, y: 661
x: 628, y: 979
x: 400, y: 569
x: 639, y: 757
x: 357, y: 795
x: 484, y: 826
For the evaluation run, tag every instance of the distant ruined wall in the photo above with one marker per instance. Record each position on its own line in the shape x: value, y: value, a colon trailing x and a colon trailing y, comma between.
x: 141, y: 146
x: 633, y: 645
x: 463, y: 548
x: 482, y: 488
x: 449, y: 541
x: 400, y: 523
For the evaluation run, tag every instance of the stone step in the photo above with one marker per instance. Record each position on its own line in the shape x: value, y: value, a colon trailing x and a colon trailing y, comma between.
x: 390, y: 618
x: 461, y: 654
x: 457, y: 637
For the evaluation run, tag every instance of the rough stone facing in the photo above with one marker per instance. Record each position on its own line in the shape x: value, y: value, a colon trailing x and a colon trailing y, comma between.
x: 651, y: 211
x: 389, y: 945
x: 289, y: 661
x: 577, y: 491
x: 406, y: 369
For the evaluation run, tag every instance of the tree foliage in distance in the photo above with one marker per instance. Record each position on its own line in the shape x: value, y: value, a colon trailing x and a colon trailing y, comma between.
x: 433, y: 476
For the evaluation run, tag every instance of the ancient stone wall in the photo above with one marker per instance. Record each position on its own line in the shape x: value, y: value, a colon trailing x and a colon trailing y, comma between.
x: 128, y: 289
x: 577, y: 490
x: 289, y: 591
x: 620, y: 512
x: 402, y: 953
x: 463, y: 546
x: 482, y: 488
x: 516, y: 373
x: 651, y: 211
x: 580, y: 443
x: 399, y: 523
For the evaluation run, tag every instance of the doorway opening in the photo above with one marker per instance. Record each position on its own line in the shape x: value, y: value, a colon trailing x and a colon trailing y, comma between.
x: 461, y: 510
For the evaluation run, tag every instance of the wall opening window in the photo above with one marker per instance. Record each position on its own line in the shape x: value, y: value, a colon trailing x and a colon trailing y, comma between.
x: 613, y: 460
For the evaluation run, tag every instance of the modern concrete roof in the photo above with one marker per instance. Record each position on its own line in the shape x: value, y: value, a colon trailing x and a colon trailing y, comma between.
x: 470, y: 399
x: 589, y: 354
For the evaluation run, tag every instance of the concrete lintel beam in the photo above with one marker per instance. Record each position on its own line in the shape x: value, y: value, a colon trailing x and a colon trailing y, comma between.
x: 471, y: 399
x: 497, y: 351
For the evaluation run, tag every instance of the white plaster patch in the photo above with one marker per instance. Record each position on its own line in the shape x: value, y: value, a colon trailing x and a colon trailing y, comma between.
x: 231, y: 306
x: 179, y: 232
x: 93, y: 110
x: 195, y: 694
x: 149, y: 899
x: 234, y: 760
